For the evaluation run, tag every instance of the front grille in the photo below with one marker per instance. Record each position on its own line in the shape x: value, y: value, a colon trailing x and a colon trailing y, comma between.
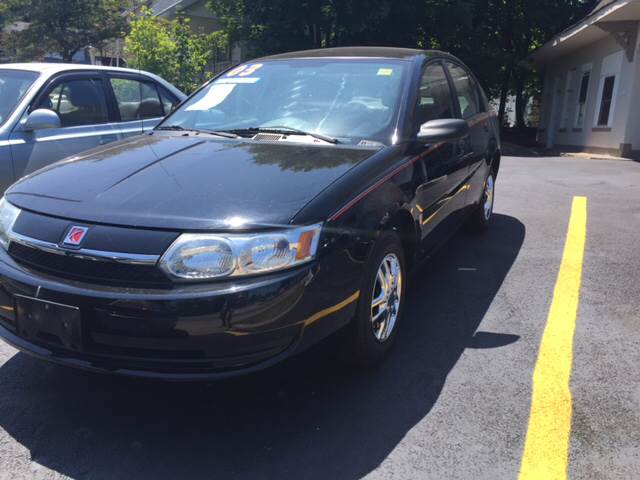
x: 92, y: 271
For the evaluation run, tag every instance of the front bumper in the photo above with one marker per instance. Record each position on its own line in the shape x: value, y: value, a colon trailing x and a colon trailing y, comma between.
x: 192, y: 332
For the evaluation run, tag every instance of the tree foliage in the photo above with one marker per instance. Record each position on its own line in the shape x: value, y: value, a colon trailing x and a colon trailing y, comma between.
x: 65, y: 26
x: 171, y: 49
x: 492, y: 36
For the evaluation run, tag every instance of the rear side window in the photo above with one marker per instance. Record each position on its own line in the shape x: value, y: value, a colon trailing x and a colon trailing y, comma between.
x: 435, y: 95
x: 136, y: 100
x: 467, y: 91
x: 78, y: 102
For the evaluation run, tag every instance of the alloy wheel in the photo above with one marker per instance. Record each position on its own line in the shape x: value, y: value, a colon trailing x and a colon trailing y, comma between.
x: 387, y: 294
x: 488, y: 197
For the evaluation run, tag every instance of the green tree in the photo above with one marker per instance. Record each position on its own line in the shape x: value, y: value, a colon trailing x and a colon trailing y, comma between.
x: 3, y: 21
x: 193, y: 53
x: 66, y: 26
x: 275, y: 26
x: 522, y: 26
x: 493, y: 37
x: 3, y: 16
x: 171, y: 49
x: 150, y: 44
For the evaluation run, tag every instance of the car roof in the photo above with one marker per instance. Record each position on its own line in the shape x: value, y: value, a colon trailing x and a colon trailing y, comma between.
x: 358, y: 52
x: 53, y: 68
x: 47, y: 70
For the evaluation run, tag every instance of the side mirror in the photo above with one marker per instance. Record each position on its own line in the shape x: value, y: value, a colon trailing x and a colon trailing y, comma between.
x: 443, y: 130
x: 41, y: 119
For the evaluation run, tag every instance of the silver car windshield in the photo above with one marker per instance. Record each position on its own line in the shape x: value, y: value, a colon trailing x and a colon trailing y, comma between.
x: 13, y: 85
x: 349, y: 99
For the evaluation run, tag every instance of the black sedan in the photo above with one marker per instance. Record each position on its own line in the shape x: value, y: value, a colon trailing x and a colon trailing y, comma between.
x: 284, y: 200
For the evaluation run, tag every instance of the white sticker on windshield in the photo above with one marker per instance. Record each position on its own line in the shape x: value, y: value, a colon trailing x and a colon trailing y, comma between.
x: 237, y: 80
x: 214, y: 97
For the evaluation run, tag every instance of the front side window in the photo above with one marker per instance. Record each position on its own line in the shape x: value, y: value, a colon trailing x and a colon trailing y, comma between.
x: 435, y: 95
x: 350, y: 99
x: 466, y: 89
x: 136, y: 100
x: 13, y: 85
x: 582, y: 98
x: 605, y: 103
x: 78, y: 102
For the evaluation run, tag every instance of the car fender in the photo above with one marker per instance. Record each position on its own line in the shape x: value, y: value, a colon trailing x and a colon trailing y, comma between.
x: 376, y: 195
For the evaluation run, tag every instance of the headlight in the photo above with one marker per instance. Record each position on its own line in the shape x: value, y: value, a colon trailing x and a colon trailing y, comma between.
x: 8, y: 216
x: 203, y: 256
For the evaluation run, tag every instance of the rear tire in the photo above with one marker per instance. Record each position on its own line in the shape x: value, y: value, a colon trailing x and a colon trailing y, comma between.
x: 482, y: 215
x: 381, y: 304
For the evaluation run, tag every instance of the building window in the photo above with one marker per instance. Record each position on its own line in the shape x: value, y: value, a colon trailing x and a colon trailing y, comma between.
x: 605, y: 103
x: 582, y: 99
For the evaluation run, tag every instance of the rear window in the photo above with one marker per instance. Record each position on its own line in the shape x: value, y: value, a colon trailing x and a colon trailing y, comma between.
x: 136, y: 100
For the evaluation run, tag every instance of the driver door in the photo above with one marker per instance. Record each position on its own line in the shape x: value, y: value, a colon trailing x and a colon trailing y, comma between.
x: 80, y: 100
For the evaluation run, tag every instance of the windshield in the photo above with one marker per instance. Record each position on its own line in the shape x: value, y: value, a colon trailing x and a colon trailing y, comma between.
x: 13, y: 85
x: 348, y: 99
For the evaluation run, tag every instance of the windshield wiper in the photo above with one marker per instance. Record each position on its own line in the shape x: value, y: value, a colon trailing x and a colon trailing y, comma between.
x: 285, y: 130
x: 180, y: 128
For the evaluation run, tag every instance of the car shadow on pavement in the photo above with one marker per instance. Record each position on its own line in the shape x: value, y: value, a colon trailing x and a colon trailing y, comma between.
x: 309, y: 418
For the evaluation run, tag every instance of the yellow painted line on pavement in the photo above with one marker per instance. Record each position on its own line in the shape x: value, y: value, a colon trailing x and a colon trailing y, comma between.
x: 546, y: 449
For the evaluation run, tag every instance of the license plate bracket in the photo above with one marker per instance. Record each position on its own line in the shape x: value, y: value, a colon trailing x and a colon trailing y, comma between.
x: 49, y: 322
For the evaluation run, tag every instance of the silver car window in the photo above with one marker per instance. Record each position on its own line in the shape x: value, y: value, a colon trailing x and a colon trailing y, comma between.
x: 78, y: 102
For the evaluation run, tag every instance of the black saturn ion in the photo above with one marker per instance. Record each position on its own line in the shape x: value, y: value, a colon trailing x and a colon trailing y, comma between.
x: 284, y: 200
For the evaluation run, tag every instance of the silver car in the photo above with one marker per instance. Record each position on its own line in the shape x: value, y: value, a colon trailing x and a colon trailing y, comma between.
x: 49, y: 111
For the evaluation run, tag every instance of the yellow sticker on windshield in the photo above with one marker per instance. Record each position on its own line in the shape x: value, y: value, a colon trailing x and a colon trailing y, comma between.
x: 244, y: 70
x: 251, y: 69
x: 385, y: 72
x: 236, y: 71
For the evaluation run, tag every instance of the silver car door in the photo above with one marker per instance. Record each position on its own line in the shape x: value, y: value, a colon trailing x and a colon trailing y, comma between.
x: 15, y: 85
x: 86, y: 119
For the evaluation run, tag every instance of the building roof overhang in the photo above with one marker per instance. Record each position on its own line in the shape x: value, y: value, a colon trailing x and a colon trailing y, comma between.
x: 163, y: 8
x: 617, y: 18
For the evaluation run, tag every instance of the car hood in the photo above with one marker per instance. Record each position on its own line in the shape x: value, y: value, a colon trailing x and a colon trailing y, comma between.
x: 186, y: 182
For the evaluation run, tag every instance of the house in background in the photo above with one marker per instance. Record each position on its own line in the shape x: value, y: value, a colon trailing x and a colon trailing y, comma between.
x: 201, y: 20
x: 591, y: 98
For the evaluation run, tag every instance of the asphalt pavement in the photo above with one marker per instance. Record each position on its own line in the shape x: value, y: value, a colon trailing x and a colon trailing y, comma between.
x: 452, y: 401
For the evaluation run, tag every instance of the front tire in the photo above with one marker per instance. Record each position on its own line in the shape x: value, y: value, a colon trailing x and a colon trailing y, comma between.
x: 381, y: 303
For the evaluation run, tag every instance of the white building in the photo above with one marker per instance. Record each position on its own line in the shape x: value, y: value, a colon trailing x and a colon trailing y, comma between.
x: 591, y: 99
